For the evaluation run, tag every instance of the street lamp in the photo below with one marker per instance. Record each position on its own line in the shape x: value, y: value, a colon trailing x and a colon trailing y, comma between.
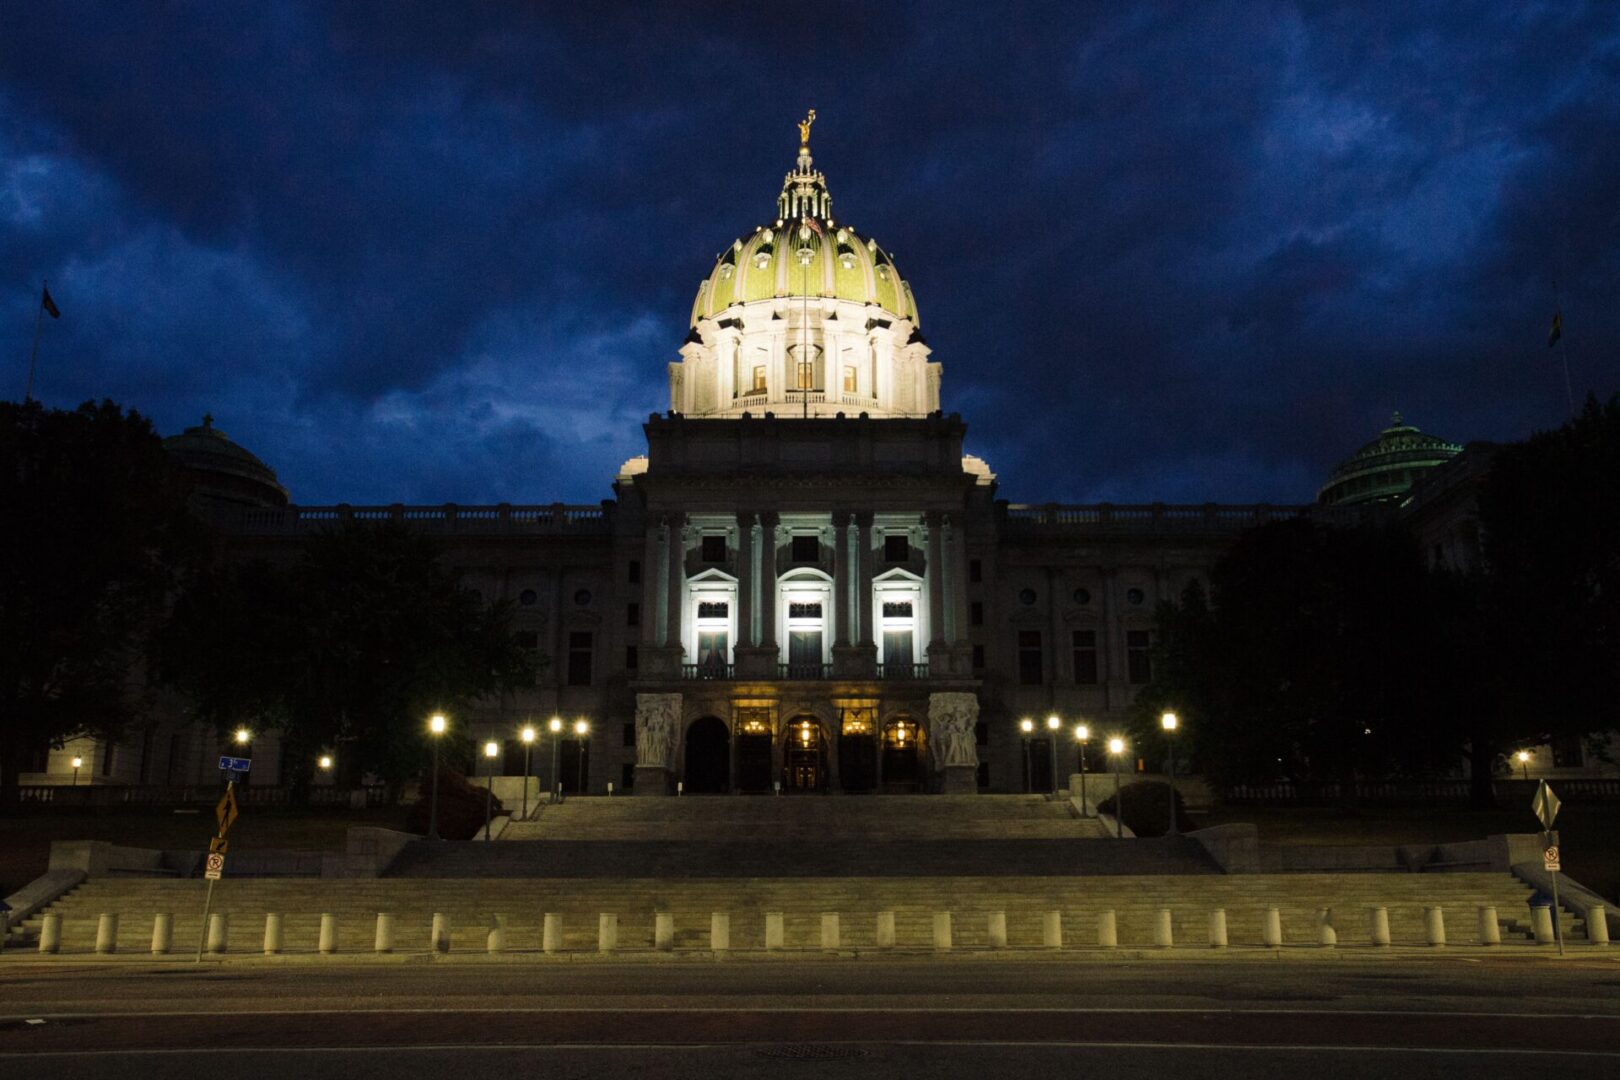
x: 77, y: 761
x: 1169, y: 723
x: 243, y: 736
x: 1053, y: 722
x: 1027, y: 726
x: 1081, y: 734
x: 437, y: 725
x: 1523, y: 757
x: 527, y: 735
x: 325, y: 763
x: 581, y: 729
x: 491, y: 749
x: 1116, y: 751
x: 556, y: 741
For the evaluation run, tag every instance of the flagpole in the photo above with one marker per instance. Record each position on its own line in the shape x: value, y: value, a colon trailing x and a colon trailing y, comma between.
x: 1563, y: 351
x: 33, y: 355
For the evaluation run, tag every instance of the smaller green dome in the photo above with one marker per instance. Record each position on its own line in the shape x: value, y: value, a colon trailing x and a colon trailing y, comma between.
x: 1387, y: 467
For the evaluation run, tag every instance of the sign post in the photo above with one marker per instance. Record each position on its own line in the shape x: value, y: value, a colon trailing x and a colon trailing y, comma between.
x: 226, y: 814
x: 1546, y: 806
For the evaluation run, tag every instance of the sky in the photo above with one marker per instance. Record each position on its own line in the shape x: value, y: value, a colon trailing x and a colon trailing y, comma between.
x: 1179, y: 252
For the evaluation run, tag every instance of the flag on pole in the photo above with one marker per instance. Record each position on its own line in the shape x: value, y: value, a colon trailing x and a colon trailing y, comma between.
x: 48, y: 304
x: 1557, y: 330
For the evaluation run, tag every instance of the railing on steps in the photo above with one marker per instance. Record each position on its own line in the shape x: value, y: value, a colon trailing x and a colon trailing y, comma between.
x: 160, y: 795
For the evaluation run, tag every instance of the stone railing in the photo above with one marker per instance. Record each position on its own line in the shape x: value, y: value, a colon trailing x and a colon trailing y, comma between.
x: 1204, y: 517
x: 185, y: 795
x: 450, y: 518
x: 1329, y: 792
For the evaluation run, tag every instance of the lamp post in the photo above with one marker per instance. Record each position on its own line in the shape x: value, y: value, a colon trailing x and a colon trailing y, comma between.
x: 1053, y: 722
x: 244, y: 740
x: 491, y: 749
x: 556, y: 742
x: 1081, y: 734
x: 77, y: 761
x: 1116, y: 751
x: 1027, y: 726
x: 527, y: 735
x: 1523, y: 758
x: 1169, y: 722
x: 437, y: 725
x: 581, y: 729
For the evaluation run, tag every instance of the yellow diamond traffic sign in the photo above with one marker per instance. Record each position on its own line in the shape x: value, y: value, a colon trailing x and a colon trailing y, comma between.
x: 226, y: 811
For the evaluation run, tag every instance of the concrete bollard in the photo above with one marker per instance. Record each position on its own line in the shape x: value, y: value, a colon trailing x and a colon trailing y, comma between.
x: 1107, y: 930
x: 1490, y: 930
x: 1271, y: 929
x: 50, y: 933
x: 272, y: 933
x: 328, y: 941
x: 831, y: 937
x: 1378, y: 925
x: 219, y: 932
x: 1164, y: 929
x: 383, y: 939
x: 885, y: 930
x: 162, y: 934
x: 107, y: 934
x: 495, y: 940
x: 1434, y: 925
x: 1052, y: 930
x: 720, y: 931
x: 1326, y: 935
x: 551, y: 932
x: 1541, y: 923
x: 607, y: 932
x: 1597, y: 924
x: 663, y: 931
x: 775, y: 935
x: 1217, y: 928
x: 997, y: 930
x: 942, y: 931
x: 439, y: 934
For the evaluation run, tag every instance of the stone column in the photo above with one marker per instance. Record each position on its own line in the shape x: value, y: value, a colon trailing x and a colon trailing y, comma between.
x: 675, y: 582
x: 863, y: 582
x: 938, y: 649
x: 652, y: 558
x: 768, y: 530
x: 841, y: 591
x: 959, y: 579
x: 745, y: 580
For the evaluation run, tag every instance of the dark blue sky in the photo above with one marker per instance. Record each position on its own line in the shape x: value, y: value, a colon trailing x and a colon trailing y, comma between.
x: 1180, y: 252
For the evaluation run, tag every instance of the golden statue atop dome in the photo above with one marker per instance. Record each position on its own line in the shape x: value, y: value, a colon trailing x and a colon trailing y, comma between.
x: 804, y: 130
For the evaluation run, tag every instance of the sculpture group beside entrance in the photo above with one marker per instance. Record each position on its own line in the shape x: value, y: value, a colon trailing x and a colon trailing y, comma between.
x: 658, y: 718
x: 953, y: 744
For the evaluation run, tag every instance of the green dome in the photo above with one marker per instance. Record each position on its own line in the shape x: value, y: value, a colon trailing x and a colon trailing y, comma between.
x: 805, y: 251
x: 1387, y: 467
x: 222, y: 469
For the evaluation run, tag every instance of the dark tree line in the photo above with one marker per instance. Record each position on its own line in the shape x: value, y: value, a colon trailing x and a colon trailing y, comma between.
x: 1328, y: 653
x: 112, y: 591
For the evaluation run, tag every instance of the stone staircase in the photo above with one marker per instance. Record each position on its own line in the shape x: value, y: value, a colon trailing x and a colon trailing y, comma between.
x: 471, y: 902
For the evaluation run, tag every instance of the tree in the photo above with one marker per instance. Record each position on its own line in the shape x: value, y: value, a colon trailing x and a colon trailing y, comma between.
x: 96, y: 535
x: 354, y: 645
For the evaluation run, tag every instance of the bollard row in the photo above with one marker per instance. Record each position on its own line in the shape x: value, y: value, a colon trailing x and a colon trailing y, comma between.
x: 942, y: 939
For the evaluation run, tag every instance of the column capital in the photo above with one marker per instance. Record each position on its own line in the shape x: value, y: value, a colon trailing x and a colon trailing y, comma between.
x: 672, y: 519
x: 935, y: 518
x: 769, y: 519
x: 746, y: 519
x: 863, y: 519
x: 840, y: 519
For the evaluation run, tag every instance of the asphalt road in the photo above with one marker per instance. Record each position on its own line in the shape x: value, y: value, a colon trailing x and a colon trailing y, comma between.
x: 937, y: 1018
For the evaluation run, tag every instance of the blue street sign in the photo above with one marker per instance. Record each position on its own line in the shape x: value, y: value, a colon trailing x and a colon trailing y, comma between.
x: 235, y: 764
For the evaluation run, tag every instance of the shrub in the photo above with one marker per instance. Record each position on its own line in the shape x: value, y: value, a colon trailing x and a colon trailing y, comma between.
x: 461, y: 806
x: 1147, y: 810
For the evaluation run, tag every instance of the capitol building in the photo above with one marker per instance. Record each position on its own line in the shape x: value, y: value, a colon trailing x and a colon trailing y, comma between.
x: 806, y: 583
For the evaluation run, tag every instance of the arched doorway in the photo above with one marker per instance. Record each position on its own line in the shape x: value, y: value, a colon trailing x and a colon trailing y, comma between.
x: 804, y: 756
x: 902, y: 748
x: 857, y: 749
x: 708, y: 757
x: 753, y: 750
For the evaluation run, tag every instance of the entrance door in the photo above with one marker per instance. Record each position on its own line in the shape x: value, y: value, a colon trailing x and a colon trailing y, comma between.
x: 900, y: 770
x: 574, y: 766
x: 1039, y: 777
x: 708, y: 757
x: 804, y: 756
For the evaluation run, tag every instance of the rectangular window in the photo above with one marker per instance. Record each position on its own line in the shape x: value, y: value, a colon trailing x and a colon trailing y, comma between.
x: 976, y: 614
x: 1029, y: 657
x: 978, y: 658
x: 627, y: 736
x: 849, y: 380
x: 807, y: 375
x: 712, y: 648
x: 713, y: 609
x: 1085, y: 657
x: 896, y: 549
x: 627, y: 777
x: 633, y: 572
x: 579, y: 658
x: 1138, y: 665
x: 632, y: 614
x: 975, y: 571
x: 894, y: 609
x: 632, y: 660
x: 714, y: 549
x: 758, y: 385
x: 897, y: 647
x: 804, y: 647
x: 805, y: 549
x: 804, y: 611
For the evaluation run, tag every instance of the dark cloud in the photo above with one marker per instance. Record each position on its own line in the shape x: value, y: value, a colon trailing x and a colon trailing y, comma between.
x: 1165, y: 251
